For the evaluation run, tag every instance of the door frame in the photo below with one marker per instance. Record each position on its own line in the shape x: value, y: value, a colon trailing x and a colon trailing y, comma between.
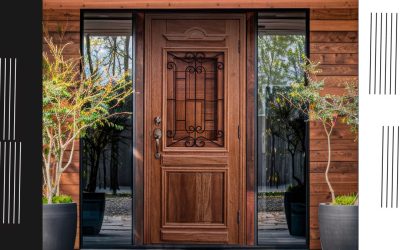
x: 242, y: 112
x: 248, y: 225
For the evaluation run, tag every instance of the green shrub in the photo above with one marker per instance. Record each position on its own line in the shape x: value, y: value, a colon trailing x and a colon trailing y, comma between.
x: 58, y: 199
x: 345, y: 200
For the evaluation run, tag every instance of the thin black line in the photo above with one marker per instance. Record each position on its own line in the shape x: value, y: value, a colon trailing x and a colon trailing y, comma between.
x: 387, y: 167
x: 383, y: 149
x: 386, y: 26
x: 395, y: 62
x: 380, y: 58
x: 391, y: 38
x: 370, y: 53
x: 392, y: 165
x: 397, y: 187
x: 376, y: 39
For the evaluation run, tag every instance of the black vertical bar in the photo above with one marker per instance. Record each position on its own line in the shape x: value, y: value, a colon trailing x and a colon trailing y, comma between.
x: 397, y: 182
x: 383, y: 147
x: 390, y: 67
x: 380, y: 57
x: 395, y: 60
x: 376, y: 40
x: 370, y: 53
x: 387, y: 167
x: 392, y: 166
x: 386, y: 42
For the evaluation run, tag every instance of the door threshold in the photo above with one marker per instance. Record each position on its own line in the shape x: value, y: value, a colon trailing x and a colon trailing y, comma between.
x: 201, y: 247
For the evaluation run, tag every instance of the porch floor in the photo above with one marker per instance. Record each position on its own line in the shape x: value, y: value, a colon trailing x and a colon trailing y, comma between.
x: 272, y: 230
x: 116, y: 231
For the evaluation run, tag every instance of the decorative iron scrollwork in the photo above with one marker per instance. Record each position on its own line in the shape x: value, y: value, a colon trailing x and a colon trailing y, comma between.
x: 199, y: 74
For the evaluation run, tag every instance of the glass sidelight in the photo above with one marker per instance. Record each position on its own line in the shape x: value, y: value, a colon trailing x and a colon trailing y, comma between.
x: 281, y: 131
x: 107, y: 161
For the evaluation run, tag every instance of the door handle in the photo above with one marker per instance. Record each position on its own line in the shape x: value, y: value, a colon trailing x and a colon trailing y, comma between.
x: 157, y: 136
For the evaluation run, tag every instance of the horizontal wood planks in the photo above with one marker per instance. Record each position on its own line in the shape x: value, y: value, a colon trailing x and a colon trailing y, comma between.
x: 333, y: 43
x: 198, y: 4
x: 63, y: 26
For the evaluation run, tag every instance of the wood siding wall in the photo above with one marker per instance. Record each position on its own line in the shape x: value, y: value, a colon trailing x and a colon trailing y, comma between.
x: 197, y: 4
x: 333, y: 42
x: 64, y: 27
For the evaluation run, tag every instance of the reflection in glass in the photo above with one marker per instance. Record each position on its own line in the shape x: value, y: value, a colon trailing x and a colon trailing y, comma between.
x: 106, y: 153
x: 281, y: 154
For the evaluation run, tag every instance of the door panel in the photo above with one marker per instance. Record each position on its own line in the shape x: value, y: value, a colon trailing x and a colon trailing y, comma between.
x: 193, y: 182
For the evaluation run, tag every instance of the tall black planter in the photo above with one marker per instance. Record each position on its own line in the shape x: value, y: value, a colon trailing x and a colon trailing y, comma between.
x: 338, y: 227
x: 93, y: 205
x: 294, y: 203
x: 59, y: 226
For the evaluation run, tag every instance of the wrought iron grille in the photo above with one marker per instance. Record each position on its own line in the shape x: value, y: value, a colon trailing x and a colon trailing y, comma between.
x: 195, y: 99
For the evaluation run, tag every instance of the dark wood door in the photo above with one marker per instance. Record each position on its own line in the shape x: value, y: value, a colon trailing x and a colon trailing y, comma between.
x: 193, y: 171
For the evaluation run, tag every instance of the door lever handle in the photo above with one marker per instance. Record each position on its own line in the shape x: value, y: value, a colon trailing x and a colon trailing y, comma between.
x: 157, y: 136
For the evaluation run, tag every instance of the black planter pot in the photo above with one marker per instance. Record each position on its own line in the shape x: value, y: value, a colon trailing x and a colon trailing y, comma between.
x: 59, y: 226
x: 295, y: 212
x: 338, y: 226
x: 93, y: 213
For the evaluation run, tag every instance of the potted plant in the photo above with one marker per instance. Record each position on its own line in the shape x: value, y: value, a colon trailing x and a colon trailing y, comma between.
x: 338, y: 220
x: 71, y: 104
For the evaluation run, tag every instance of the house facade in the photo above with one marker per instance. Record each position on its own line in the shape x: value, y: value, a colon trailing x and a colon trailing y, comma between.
x: 197, y: 176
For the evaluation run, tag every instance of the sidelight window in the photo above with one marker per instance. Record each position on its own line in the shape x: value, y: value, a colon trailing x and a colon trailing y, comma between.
x: 281, y: 130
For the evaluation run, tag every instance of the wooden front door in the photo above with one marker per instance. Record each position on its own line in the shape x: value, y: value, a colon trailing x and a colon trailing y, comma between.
x: 194, y: 100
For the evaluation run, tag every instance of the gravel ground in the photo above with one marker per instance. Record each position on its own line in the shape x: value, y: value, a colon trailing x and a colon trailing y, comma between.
x: 270, y: 203
x: 118, y: 206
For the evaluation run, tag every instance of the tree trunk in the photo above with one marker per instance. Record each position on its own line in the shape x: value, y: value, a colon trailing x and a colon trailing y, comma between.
x: 89, y: 54
x: 114, y: 185
x: 91, y: 187
x: 104, y: 169
x: 328, y: 165
x: 293, y: 165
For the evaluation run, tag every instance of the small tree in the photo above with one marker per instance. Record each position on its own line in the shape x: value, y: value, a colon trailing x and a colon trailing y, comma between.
x: 71, y: 104
x: 327, y: 109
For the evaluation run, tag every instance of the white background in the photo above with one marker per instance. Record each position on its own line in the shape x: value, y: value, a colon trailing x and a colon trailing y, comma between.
x: 379, y: 228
